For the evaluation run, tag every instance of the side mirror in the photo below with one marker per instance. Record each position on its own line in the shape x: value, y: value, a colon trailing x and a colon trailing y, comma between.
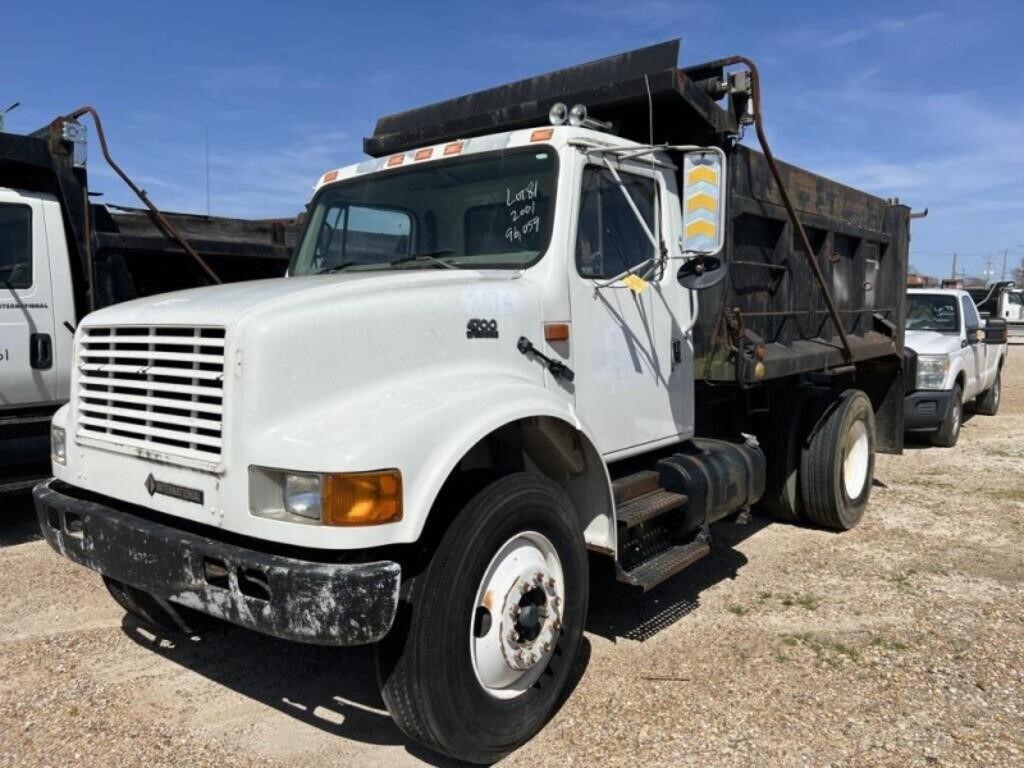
x: 701, y: 272
x: 974, y: 334
x: 996, y: 331
x: 703, y: 199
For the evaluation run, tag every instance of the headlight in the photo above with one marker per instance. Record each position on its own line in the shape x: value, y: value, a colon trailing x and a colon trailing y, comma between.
x: 931, y: 372
x: 302, y: 495
x: 58, y: 445
x: 342, y: 499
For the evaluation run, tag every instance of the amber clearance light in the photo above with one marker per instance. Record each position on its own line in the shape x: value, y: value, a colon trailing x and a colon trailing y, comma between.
x: 362, y: 498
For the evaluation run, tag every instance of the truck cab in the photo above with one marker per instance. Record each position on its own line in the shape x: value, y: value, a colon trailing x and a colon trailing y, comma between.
x: 37, y: 316
x: 959, y: 359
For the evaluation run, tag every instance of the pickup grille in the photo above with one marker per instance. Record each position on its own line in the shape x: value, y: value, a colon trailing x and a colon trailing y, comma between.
x: 155, y: 388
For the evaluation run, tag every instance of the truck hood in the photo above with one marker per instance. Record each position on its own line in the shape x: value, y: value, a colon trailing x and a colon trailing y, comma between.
x: 933, y: 342
x: 225, y: 305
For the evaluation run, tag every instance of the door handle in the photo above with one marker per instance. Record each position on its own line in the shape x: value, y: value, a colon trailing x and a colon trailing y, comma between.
x: 41, y: 351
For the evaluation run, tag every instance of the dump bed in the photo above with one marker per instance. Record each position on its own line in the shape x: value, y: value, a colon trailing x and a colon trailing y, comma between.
x: 770, y: 296
x: 123, y: 253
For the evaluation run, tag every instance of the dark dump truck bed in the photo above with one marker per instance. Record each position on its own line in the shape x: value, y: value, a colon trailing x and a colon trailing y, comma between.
x: 770, y: 298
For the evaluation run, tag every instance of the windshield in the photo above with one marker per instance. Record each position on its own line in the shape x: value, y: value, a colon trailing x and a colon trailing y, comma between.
x: 932, y: 312
x: 485, y: 211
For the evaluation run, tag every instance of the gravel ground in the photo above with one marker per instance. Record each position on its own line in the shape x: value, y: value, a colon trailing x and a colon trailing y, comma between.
x: 898, y: 644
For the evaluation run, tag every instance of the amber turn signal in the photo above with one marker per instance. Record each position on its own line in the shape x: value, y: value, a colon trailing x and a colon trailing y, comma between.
x: 556, y: 331
x: 362, y: 498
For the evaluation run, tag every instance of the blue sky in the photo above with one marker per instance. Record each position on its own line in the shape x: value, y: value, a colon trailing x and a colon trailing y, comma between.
x: 916, y: 100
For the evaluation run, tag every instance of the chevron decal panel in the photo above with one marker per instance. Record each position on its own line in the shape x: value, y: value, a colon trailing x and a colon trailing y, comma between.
x: 703, y: 186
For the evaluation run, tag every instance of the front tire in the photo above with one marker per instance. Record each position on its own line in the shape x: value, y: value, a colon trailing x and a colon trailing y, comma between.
x: 949, y: 431
x: 487, y: 635
x: 837, y: 464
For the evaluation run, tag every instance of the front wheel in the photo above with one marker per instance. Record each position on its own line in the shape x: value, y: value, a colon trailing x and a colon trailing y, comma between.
x: 487, y: 635
x: 948, y: 432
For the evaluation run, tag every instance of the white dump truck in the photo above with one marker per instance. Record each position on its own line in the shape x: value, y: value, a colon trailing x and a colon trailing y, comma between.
x: 568, y: 318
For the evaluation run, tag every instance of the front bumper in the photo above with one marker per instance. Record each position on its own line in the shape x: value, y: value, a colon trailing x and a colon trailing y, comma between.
x: 925, y: 410
x: 310, y: 602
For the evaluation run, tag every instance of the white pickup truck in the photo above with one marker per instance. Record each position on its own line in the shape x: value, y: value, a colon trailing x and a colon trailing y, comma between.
x: 959, y: 359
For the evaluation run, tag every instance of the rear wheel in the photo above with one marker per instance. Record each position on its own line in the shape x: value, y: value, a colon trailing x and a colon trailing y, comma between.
x: 783, y: 440
x: 987, y: 403
x: 838, y: 462
x: 949, y: 431
x: 487, y: 635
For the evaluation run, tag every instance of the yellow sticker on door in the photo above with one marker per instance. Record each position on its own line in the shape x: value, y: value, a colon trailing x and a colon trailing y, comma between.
x: 635, y: 283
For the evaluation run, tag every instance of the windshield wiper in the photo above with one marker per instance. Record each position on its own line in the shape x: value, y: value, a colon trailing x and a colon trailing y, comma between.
x: 336, y: 267
x: 431, y: 257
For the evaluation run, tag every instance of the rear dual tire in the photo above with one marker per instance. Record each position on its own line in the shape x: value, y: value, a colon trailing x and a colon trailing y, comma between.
x: 838, y: 463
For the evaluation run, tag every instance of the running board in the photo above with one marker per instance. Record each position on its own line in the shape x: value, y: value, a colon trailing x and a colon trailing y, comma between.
x: 650, y: 573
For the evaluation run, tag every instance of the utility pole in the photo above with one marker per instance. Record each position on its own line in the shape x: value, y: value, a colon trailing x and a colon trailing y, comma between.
x: 989, y: 270
x: 1006, y: 252
x: 953, y: 274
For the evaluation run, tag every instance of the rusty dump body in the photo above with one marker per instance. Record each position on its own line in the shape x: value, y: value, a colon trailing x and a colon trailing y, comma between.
x: 123, y: 253
x: 774, y: 306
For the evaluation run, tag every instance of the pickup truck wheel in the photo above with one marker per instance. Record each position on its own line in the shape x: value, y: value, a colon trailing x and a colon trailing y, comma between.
x: 987, y: 403
x: 484, y: 646
x: 949, y: 431
x: 838, y: 460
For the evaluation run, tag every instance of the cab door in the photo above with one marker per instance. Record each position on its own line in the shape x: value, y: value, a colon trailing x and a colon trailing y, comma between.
x: 979, y: 379
x: 631, y: 359
x: 27, y: 370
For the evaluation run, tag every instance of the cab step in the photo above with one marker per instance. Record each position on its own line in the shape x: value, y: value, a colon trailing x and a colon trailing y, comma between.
x: 650, y: 573
x: 648, y: 506
x: 631, y: 486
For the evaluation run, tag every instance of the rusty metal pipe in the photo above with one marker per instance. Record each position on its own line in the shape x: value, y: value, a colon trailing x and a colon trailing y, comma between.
x: 812, y: 261
x: 169, y: 229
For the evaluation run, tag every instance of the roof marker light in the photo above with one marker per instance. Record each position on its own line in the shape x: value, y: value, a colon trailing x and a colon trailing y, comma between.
x: 395, y: 160
x: 329, y: 177
x: 453, y: 149
x: 542, y: 134
x: 423, y: 154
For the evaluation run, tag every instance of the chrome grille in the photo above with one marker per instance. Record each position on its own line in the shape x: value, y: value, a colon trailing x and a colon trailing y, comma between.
x: 156, y: 388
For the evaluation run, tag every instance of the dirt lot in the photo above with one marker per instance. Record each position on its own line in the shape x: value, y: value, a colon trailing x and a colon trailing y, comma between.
x: 899, y: 644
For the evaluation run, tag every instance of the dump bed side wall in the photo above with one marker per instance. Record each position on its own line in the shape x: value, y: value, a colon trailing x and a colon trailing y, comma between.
x: 770, y: 294
x: 134, y: 258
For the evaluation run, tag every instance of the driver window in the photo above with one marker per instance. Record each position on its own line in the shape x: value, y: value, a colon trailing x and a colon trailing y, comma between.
x: 609, y: 239
x: 15, y: 246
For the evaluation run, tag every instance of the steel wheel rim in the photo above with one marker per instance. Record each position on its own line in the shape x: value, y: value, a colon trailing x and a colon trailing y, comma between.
x: 517, y: 615
x: 956, y: 417
x: 855, y: 460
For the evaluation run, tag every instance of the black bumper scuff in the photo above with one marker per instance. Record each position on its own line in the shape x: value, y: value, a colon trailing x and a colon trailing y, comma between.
x: 310, y: 602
